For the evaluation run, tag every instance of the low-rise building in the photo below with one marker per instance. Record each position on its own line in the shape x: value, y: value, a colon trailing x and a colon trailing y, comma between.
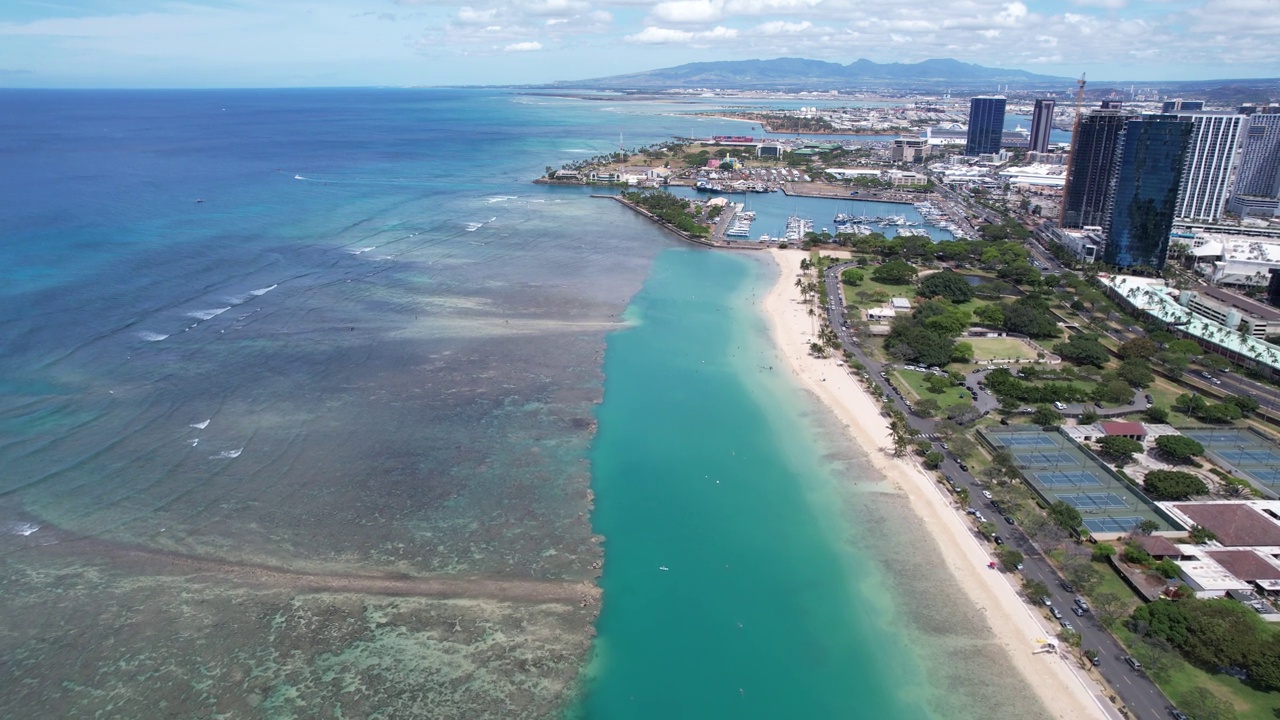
x: 1085, y: 243
x: 1233, y: 260
x: 1235, y: 312
x: 900, y: 178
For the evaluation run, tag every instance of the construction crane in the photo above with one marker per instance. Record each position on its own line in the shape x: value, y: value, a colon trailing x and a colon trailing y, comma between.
x: 1071, y: 159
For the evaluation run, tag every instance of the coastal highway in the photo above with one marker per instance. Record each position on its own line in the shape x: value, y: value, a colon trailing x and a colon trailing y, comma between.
x: 1139, y: 694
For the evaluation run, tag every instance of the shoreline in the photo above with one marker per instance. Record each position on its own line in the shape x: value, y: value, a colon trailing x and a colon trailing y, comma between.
x: 1013, y: 625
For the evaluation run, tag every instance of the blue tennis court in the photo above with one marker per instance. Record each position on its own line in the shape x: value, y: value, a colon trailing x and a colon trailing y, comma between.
x: 1093, y: 501
x: 1046, y: 458
x: 1247, y: 457
x: 1112, y: 524
x: 1247, y: 452
x: 1077, y: 478
x: 1039, y: 439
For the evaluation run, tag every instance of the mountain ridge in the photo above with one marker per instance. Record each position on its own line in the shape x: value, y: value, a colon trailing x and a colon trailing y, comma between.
x: 784, y: 72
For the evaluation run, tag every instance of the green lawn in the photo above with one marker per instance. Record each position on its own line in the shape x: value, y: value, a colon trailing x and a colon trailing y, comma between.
x: 914, y: 380
x: 1249, y: 704
x: 1000, y: 349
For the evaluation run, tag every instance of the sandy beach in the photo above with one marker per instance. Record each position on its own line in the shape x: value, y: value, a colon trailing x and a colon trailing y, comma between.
x: 1064, y: 691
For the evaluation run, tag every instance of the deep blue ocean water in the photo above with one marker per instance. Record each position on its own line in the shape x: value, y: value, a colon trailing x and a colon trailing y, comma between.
x: 264, y: 352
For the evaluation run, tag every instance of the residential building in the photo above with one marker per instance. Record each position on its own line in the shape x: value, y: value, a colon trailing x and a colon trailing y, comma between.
x: 1143, y: 193
x: 1258, y: 186
x: 1210, y: 160
x: 1041, y: 125
x: 1089, y: 168
x: 1180, y: 106
x: 986, y: 125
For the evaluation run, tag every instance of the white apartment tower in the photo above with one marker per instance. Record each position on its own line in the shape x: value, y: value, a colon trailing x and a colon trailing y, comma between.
x: 1207, y: 172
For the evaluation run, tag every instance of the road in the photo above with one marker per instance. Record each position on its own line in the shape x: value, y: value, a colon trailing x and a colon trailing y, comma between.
x: 1138, y: 693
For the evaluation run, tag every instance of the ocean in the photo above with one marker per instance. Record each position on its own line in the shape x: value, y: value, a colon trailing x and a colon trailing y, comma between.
x: 305, y: 394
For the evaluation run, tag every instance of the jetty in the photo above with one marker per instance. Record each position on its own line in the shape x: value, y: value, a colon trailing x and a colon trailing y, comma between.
x: 717, y: 238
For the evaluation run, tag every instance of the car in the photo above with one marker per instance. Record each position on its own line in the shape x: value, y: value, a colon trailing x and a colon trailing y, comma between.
x: 1009, y: 519
x: 998, y: 540
x: 1133, y: 662
x: 1080, y: 603
x: 1067, y: 586
x: 963, y: 466
x: 1206, y: 376
x: 1077, y: 611
x: 1059, y: 405
x: 944, y: 446
x: 1097, y: 404
x: 1066, y: 625
x: 1149, y: 400
x: 1177, y: 714
x: 1215, y: 381
x: 1045, y: 599
x: 1055, y: 613
x: 986, y: 494
x: 1096, y: 660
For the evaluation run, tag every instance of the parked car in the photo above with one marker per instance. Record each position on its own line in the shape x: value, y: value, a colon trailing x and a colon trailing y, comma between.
x: 1133, y: 662
x: 986, y: 494
x: 962, y: 465
x: 1077, y: 611
x: 998, y: 540
x: 1055, y: 612
x: 1067, y: 586
x: 1066, y: 625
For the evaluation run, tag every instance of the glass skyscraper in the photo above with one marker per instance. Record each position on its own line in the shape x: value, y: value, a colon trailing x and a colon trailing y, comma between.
x: 1093, y: 147
x: 1143, y: 193
x: 986, y: 125
x: 1041, y: 126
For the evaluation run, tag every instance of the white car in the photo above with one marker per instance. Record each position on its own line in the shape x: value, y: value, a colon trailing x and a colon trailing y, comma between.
x: 986, y: 494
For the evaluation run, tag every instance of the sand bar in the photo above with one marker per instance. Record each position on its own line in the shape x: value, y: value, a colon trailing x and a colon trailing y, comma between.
x: 1062, y: 689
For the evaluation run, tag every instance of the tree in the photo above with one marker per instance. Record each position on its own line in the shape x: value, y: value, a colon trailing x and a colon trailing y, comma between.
x: 1243, y: 403
x: 1030, y: 316
x: 1201, y: 535
x: 962, y: 353
x: 1066, y: 517
x: 1179, y: 447
x: 927, y: 407
x: 1109, y: 605
x: 852, y: 277
x: 1190, y: 404
x: 1146, y: 527
x: 1135, y: 555
x: 1136, y: 372
x: 1139, y: 347
x: 1221, y: 413
x: 1010, y: 559
x: 988, y: 529
x: 948, y: 285
x: 933, y: 459
x: 1081, y: 571
x: 894, y: 272
x: 937, y: 384
x: 1034, y: 589
x: 991, y: 315
x: 1202, y: 703
x: 1102, y: 551
x: 1083, y: 350
x: 1156, y: 414
x: 1173, y: 485
x: 1116, y: 392
x: 1088, y: 417
x: 1167, y: 568
x: 1046, y: 416
x: 1121, y: 449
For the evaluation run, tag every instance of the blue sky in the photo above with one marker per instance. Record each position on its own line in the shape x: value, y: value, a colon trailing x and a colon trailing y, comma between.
x: 277, y: 43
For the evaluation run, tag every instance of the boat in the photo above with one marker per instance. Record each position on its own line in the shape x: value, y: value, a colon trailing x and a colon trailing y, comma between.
x: 663, y: 567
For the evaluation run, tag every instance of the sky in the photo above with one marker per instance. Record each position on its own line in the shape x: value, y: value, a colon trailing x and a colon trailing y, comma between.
x: 289, y: 43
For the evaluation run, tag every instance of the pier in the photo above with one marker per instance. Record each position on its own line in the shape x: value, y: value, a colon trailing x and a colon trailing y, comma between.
x: 716, y: 239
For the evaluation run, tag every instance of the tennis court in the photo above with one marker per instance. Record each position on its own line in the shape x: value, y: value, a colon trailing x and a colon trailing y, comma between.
x: 1016, y: 439
x: 1112, y: 524
x: 1077, y: 478
x: 1031, y: 459
x: 1059, y: 470
x: 1251, y: 454
x: 1090, y: 501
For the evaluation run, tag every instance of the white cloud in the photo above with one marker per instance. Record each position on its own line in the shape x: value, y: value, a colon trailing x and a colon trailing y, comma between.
x: 471, y: 16
x: 523, y: 47
x: 689, y: 11
x: 660, y: 36
x: 781, y: 27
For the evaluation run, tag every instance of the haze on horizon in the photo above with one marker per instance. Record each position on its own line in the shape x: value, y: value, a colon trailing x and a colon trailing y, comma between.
x: 281, y: 43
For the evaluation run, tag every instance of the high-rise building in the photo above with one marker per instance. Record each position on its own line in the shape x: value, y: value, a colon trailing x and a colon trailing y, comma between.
x: 986, y: 125
x: 909, y: 149
x: 1041, y: 126
x: 1093, y: 145
x: 1143, y: 193
x: 1210, y: 159
x: 1260, y: 161
x: 1180, y: 105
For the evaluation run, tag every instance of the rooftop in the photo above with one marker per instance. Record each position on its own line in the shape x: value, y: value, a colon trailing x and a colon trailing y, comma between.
x: 1236, y: 524
x: 1156, y: 298
x: 1123, y: 428
x: 1246, y: 564
x: 1157, y: 546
